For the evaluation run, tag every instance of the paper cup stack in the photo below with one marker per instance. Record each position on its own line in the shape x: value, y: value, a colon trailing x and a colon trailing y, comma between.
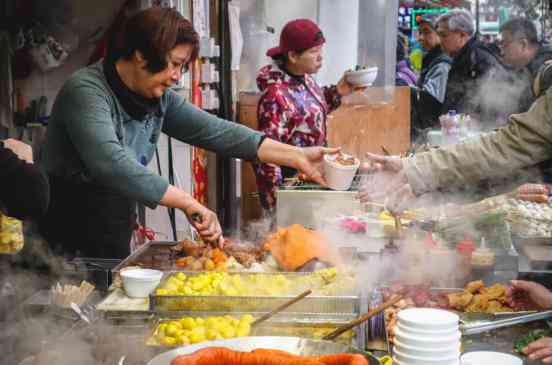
x: 425, y: 336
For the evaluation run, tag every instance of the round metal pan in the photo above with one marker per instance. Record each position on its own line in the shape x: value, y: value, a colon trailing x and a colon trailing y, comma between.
x: 293, y: 345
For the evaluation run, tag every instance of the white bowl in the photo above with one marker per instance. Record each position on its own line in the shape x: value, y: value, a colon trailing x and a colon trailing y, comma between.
x: 428, y: 319
x: 337, y: 176
x: 489, y: 358
x: 427, y: 333
x: 139, y: 283
x: 363, y: 77
x: 428, y: 342
x: 440, y: 351
x: 397, y: 362
x: 418, y: 360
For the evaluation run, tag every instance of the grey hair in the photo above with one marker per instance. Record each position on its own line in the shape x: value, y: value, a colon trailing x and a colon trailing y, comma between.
x: 459, y: 20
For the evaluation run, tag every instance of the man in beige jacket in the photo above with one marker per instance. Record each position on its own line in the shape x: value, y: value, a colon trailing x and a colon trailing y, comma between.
x: 525, y: 141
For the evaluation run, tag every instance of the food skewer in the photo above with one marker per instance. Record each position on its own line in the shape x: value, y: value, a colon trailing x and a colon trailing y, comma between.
x: 331, y: 336
x: 280, y: 308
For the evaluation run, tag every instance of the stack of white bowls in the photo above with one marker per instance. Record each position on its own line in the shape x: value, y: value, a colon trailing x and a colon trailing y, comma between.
x: 426, y: 336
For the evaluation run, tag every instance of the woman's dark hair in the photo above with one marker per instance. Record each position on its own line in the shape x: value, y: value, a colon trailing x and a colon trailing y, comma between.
x: 154, y: 32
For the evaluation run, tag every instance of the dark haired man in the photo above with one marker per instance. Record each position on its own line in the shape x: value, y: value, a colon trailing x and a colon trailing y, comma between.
x: 521, y: 50
x: 104, y: 128
x: 428, y: 96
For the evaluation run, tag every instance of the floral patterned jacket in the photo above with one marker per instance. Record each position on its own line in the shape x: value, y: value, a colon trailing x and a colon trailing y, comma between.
x: 292, y: 110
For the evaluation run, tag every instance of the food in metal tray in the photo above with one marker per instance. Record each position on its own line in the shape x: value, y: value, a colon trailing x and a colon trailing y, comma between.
x: 294, y: 246
x: 326, y: 282
x: 477, y: 298
x: 199, y: 257
x: 530, y: 337
x: 529, y: 218
x: 187, y: 330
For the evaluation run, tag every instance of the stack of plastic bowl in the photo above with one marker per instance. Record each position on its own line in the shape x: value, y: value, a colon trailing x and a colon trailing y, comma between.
x: 426, y: 336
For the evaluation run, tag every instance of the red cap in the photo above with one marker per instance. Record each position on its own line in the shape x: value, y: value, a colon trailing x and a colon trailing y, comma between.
x: 298, y: 35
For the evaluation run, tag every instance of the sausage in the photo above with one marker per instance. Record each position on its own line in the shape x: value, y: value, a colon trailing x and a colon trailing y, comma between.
x: 343, y: 359
x: 536, y: 198
x: 529, y: 189
x: 224, y: 356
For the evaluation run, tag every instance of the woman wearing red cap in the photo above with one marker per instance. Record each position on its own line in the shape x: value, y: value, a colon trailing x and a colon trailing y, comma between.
x: 293, y: 108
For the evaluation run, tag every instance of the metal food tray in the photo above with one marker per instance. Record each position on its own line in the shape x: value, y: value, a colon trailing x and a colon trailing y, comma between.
x: 152, y: 255
x: 279, y: 325
x: 381, y: 341
x: 339, y: 305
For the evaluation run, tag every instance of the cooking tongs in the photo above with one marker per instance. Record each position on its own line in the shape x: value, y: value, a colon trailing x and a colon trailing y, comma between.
x: 480, y: 327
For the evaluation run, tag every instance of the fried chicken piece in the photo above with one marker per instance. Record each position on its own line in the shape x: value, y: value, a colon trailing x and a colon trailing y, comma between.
x: 474, y: 286
x: 495, y: 292
x: 479, y: 303
x: 495, y: 306
x: 459, y: 301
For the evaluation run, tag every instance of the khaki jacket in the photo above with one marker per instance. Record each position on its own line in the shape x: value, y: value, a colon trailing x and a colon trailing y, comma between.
x: 525, y: 141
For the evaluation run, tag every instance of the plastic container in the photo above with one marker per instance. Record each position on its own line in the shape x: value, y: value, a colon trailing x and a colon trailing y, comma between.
x: 338, y: 176
x: 465, y: 248
x: 483, y: 258
x: 438, y: 352
x: 489, y: 358
x: 418, y: 360
x: 364, y: 77
x: 139, y: 283
x: 428, y: 319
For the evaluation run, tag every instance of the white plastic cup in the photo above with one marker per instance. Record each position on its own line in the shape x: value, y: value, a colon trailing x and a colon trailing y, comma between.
x: 338, y: 176
x: 139, y: 283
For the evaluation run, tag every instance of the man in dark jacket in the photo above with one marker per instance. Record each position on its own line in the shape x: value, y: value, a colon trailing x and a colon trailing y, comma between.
x: 521, y: 50
x: 475, y: 70
x: 428, y: 96
x: 25, y: 190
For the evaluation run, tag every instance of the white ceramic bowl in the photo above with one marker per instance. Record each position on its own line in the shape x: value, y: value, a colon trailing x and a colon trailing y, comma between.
x: 427, y: 333
x: 363, y: 77
x: 418, y: 360
x: 489, y: 358
x: 397, y: 362
x: 428, y: 342
x: 139, y: 283
x: 428, y: 319
x: 439, y: 351
x: 337, y: 176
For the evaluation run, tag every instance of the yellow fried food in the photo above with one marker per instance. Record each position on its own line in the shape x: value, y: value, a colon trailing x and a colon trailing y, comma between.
x: 459, y: 301
x: 479, y: 303
x: 189, y: 330
x: 474, y: 286
x: 496, y: 291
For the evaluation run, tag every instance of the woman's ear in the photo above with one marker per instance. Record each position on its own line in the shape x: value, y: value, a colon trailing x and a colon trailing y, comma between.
x: 293, y: 57
x: 139, y: 59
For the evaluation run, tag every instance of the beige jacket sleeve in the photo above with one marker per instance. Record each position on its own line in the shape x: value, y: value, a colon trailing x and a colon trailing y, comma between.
x: 523, y: 142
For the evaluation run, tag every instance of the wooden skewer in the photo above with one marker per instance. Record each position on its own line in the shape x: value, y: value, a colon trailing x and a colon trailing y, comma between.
x: 331, y: 336
x: 386, y: 152
x: 280, y: 308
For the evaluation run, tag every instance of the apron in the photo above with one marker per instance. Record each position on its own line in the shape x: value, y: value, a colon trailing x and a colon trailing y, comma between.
x: 88, y: 220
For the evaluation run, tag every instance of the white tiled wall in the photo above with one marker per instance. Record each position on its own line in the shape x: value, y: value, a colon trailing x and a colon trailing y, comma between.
x: 84, y: 24
x: 49, y: 83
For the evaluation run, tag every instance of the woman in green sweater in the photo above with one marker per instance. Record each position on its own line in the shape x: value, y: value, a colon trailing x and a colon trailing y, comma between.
x: 104, y: 129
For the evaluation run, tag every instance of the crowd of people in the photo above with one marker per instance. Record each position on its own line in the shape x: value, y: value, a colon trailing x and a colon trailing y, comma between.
x: 107, y: 119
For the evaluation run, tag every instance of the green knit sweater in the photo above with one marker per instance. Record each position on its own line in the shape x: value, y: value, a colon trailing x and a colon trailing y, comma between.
x: 90, y: 138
